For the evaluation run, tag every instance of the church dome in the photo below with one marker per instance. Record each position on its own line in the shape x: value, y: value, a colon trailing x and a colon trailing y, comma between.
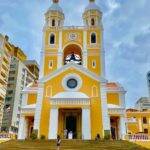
x: 92, y: 6
x: 55, y: 7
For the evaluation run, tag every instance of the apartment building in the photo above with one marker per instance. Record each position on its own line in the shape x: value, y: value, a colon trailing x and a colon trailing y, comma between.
x: 20, y: 76
x: 143, y: 104
x: 5, y: 57
x: 33, y: 67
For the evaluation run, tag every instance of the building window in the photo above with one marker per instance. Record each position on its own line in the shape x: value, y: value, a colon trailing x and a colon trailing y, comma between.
x: 53, y: 23
x: 144, y: 120
x: 49, y: 91
x: 11, y: 78
x: 72, y: 83
x: 145, y: 131
x: 93, y: 38
x: 51, y: 64
x: 10, y: 92
x: 92, y: 22
x: 94, y: 91
x: 52, y: 39
x: 12, y: 72
x: 8, y: 98
x: 93, y: 64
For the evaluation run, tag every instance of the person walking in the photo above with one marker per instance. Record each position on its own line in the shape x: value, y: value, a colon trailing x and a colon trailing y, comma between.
x: 58, y: 142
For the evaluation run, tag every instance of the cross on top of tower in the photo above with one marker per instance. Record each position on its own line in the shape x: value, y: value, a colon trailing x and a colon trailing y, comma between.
x: 92, y: 0
x: 55, y: 1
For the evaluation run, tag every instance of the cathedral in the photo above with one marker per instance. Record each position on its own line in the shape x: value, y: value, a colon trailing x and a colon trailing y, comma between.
x: 72, y: 97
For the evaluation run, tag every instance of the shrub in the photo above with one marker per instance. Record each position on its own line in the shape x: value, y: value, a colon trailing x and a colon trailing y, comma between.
x: 42, y: 137
x: 107, y: 134
x: 34, y: 134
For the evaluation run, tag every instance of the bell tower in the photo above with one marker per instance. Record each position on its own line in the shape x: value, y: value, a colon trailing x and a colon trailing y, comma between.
x: 54, y: 17
x: 51, y: 55
x: 92, y: 18
x: 92, y: 15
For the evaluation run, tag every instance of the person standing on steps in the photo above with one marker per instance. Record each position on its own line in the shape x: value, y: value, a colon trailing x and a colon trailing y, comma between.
x: 58, y: 142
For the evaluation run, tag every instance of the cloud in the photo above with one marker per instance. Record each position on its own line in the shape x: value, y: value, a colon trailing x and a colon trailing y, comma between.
x: 127, y: 38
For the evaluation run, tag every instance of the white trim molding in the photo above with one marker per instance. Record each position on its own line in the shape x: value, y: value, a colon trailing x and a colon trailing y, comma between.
x: 104, y: 107
x: 122, y: 127
x: 70, y: 102
x: 42, y: 63
x: 86, y: 124
x: 53, y: 123
x: 84, y: 48
x: 102, y: 55
x: 22, y: 128
x: 38, y: 108
x: 73, y: 65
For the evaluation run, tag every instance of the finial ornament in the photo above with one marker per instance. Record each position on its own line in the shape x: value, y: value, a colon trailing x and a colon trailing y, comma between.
x: 92, y: 0
x: 55, y: 1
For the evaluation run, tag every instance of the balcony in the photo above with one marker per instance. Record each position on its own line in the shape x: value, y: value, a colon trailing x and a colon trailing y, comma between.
x: 28, y: 109
x: 2, y: 92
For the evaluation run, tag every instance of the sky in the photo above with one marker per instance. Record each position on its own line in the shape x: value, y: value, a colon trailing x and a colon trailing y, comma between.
x: 126, y: 35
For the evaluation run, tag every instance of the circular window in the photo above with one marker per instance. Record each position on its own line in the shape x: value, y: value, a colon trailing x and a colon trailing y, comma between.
x: 72, y: 83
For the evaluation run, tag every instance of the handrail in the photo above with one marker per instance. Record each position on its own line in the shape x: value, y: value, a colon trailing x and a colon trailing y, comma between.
x: 137, y: 137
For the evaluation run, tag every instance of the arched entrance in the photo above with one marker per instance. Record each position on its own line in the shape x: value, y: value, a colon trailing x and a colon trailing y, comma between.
x: 72, y: 53
x: 70, y: 121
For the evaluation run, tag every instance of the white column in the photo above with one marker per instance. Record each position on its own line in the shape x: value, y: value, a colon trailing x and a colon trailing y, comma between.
x: 37, y: 116
x: 24, y: 99
x: 104, y: 107
x: 42, y: 56
x: 86, y: 124
x: 122, y: 99
x: 85, y: 57
x: 42, y: 59
x: 140, y: 124
x: 53, y: 123
x: 22, y: 130
x: 122, y: 127
x: 85, y: 48
x: 102, y: 55
x: 60, y: 52
x: 59, y: 60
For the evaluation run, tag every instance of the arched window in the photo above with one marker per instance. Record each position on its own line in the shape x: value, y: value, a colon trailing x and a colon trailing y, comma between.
x: 93, y: 64
x: 53, y: 23
x: 49, y: 91
x: 52, y: 39
x: 93, y: 38
x: 92, y: 22
x: 94, y: 91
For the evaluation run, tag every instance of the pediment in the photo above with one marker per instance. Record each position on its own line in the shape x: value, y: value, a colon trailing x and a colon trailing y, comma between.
x: 77, y: 67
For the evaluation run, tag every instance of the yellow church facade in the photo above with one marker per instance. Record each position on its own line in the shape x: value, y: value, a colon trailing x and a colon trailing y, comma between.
x: 72, y: 95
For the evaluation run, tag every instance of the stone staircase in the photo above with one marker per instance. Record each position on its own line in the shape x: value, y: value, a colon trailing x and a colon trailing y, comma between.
x: 69, y: 145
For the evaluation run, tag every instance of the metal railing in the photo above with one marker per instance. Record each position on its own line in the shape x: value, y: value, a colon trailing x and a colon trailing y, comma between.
x: 7, y: 136
x: 138, y: 137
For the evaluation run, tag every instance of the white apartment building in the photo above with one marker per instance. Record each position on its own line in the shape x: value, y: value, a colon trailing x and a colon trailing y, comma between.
x: 4, y: 70
x: 19, y: 77
x: 143, y: 103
